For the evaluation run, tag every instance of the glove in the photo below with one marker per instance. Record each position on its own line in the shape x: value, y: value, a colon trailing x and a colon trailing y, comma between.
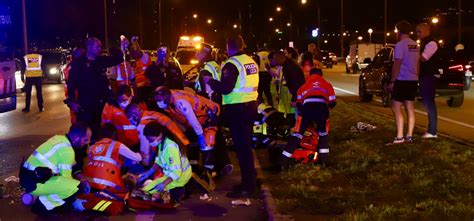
x: 202, y: 142
x: 160, y: 187
x: 85, y: 187
x: 143, y: 177
x: 79, y: 205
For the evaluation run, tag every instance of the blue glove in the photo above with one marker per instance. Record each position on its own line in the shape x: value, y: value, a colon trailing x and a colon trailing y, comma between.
x: 202, y: 142
x: 85, y: 187
x: 160, y: 187
x: 79, y: 205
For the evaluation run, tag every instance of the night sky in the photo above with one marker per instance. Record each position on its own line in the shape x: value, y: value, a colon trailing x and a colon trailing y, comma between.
x: 59, y: 22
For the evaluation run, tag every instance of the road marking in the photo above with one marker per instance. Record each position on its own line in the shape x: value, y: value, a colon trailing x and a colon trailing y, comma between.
x: 416, y: 110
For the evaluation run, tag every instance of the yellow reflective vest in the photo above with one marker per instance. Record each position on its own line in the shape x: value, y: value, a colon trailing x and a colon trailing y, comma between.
x: 213, y: 68
x: 245, y: 89
x: 33, y: 65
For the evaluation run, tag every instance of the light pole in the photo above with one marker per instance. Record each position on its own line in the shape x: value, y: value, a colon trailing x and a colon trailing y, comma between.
x: 342, y: 29
x: 385, y: 23
x: 159, y: 21
x: 370, y: 35
x: 459, y: 21
x: 25, y: 31
x: 106, y: 26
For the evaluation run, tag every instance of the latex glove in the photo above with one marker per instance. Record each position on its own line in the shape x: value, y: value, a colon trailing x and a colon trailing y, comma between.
x: 202, y: 142
x: 79, y: 205
x: 160, y: 187
x: 142, y: 178
x: 85, y: 187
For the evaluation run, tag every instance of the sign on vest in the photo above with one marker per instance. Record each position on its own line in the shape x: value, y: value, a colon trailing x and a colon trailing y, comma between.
x: 251, y: 69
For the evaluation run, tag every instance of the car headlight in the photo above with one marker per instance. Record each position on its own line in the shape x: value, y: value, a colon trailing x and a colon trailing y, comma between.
x: 194, y: 61
x: 53, y: 71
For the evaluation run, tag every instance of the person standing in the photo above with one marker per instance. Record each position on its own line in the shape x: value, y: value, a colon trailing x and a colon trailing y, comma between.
x: 428, y: 69
x: 208, y: 67
x: 238, y: 85
x: 164, y: 73
x: 88, y: 86
x: 34, y: 76
x: 142, y: 61
x: 404, y: 81
x: 265, y: 79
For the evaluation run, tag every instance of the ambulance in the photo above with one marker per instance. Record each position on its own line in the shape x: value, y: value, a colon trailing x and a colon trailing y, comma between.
x: 186, y: 55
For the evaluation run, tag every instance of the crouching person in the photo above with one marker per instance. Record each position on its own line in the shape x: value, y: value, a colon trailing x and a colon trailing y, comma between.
x: 170, y: 159
x: 46, y: 175
x: 104, y: 162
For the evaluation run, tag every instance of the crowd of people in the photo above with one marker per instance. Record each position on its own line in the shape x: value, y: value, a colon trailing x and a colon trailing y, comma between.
x: 146, y: 128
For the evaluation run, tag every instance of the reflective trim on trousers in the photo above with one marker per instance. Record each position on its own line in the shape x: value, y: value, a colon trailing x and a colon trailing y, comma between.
x: 51, y: 201
x: 297, y: 135
x: 286, y: 154
x: 323, y: 150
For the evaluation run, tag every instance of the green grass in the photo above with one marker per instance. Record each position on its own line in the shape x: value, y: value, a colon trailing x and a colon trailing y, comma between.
x: 366, y: 180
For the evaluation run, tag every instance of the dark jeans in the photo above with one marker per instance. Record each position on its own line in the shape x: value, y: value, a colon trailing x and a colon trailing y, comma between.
x: 428, y: 93
x: 38, y: 83
x: 312, y: 113
x: 264, y: 82
x: 240, y: 119
x: 92, y: 115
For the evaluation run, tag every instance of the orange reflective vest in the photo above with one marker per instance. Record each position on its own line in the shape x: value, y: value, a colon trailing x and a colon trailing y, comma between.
x: 316, y: 89
x: 126, y: 132
x: 103, y: 166
x: 140, y: 68
x: 166, y: 122
x: 201, y: 107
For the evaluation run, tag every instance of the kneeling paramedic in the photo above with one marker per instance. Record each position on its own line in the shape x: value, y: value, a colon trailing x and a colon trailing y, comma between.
x: 170, y: 159
x: 47, y: 173
x: 141, y: 118
x: 314, y: 99
x: 104, y: 162
x: 194, y: 112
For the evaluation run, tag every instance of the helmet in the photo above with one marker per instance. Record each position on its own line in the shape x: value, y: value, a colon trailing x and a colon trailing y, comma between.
x: 459, y: 47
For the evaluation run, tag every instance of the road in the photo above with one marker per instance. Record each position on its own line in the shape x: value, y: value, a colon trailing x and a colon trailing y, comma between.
x: 455, y: 122
x: 21, y: 133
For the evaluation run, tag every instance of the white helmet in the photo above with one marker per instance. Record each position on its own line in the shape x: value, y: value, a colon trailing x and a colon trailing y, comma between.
x: 459, y: 47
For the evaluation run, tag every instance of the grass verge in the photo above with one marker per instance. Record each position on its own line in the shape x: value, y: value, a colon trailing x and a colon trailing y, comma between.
x: 366, y: 180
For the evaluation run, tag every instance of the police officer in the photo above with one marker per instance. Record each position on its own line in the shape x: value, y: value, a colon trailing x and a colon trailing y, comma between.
x: 209, y: 68
x: 47, y: 173
x: 34, y: 76
x: 238, y: 85
x: 314, y: 99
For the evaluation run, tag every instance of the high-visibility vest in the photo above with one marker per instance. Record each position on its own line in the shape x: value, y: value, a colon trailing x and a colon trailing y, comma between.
x: 33, y: 65
x: 213, y: 68
x: 201, y: 106
x: 124, y: 73
x: 56, y: 154
x: 140, y: 68
x: 166, y: 122
x: 245, y: 89
x: 263, y: 55
x: 104, y: 165
x: 126, y: 132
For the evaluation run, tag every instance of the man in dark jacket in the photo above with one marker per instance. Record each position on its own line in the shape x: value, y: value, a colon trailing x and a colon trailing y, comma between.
x: 164, y: 73
x: 88, y: 86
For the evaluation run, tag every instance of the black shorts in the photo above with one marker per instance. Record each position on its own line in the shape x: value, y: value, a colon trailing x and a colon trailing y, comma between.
x: 404, y: 90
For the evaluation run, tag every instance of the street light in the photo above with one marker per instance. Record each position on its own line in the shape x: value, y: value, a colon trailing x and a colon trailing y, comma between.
x: 370, y: 34
x: 434, y: 20
x: 360, y: 38
x: 235, y: 25
x: 325, y: 41
x: 209, y: 21
x: 278, y: 9
x: 288, y: 24
x: 388, y: 34
x: 270, y: 19
x: 277, y: 30
x: 303, y: 2
x: 195, y: 16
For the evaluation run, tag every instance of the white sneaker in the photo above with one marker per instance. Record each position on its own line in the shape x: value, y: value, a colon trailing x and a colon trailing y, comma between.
x: 429, y: 136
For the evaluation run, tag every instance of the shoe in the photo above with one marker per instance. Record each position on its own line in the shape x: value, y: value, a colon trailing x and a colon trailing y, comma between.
x: 25, y: 110
x: 396, y: 140
x: 41, y: 109
x: 227, y: 170
x: 429, y: 136
x: 242, y: 194
x: 409, y: 139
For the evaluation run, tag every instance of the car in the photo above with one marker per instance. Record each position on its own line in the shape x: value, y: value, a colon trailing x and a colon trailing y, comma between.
x: 333, y: 56
x: 326, y: 59
x: 53, y: 63
x: 374, y: 79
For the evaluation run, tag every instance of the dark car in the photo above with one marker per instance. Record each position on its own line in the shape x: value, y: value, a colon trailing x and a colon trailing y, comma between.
x: 374, y: 79
x: 53, y: 64
x: 327, y: 59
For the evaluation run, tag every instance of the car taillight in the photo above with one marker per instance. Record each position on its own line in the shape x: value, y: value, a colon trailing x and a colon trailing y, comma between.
x: 456, y: 84
x: 457, y: 67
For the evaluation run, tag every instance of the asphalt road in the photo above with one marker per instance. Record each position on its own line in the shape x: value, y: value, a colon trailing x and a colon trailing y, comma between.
x: 21, y: 133
x: 455, y: 122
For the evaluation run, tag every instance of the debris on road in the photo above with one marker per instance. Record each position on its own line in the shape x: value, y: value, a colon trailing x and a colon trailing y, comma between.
x: 241, y: 202
x: 205, y: 197
x: 362, y: 127
x: 12, y: 179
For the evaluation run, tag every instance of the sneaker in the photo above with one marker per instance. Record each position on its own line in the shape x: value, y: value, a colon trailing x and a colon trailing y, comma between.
x: 429, y: 136
x: 396, y: 140
x: 25, y: 110
x: 409, y: 139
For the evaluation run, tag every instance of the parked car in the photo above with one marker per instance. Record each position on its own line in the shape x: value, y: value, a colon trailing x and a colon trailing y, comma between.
x: 53, y: 64
x: 327, y: 59
x: 374, y: 79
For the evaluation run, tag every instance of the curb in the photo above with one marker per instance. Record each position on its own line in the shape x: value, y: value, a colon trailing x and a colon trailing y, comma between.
x: 267, y: 197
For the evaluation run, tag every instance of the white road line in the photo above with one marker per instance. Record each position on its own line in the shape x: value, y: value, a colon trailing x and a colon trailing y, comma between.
x: 417, y: 111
